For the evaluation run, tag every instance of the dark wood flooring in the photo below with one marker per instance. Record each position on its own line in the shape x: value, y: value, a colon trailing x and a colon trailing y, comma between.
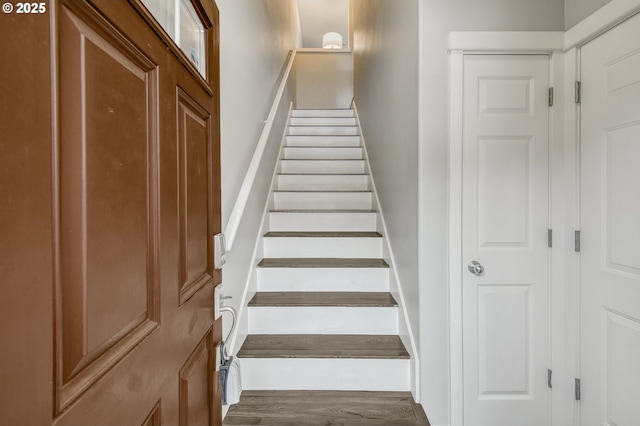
x: 326, y: 408
x: 323, y: 346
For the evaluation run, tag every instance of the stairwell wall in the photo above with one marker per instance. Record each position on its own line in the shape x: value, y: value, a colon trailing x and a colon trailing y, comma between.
x: 255, y: 40
x: 385, y: 53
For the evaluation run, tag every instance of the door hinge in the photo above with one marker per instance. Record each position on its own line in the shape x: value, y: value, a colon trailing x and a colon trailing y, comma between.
x: 550, y: 96
x: 549, y: 237
x: 578, y: 92
x: 549, y: 373
x: 577, y: 389
x: 576, y: 241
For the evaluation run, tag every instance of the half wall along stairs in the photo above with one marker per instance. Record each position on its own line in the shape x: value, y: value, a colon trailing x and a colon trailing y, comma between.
x: 323, y: 318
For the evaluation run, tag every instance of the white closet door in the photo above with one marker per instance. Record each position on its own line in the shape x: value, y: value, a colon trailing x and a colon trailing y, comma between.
x: 505, y: 223
x: 610, y: 221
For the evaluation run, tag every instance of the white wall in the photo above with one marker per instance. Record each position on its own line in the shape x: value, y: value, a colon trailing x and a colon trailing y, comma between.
x: 324, y: 79
x: 576, y: 10
x: 437, y: 19
x: 385, y: 54
x: 320, y: 17
x: 255, y: 39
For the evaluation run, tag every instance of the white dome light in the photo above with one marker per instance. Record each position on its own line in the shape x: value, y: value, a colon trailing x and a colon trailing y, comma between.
x: 332, y: 41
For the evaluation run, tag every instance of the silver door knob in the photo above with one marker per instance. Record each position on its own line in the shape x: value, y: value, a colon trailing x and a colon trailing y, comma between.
x: 475, y: 267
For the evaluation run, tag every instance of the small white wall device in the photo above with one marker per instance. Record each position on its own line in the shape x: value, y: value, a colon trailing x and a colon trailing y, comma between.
x: 219, y: 251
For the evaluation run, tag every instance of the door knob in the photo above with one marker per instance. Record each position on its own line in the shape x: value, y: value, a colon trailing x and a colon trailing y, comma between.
x: 475, y: 267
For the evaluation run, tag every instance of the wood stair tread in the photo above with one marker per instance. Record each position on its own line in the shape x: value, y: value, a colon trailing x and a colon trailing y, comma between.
x: 323, y: 299
x: 325, y: 234
x: 322, y: 211
x: 323, y: 191
x: 362, y: 346
x: 322, y: 174
x: 322, y: 263
x: 306, y: 408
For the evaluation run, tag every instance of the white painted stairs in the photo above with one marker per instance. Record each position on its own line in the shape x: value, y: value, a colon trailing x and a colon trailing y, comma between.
x: 323, y: 317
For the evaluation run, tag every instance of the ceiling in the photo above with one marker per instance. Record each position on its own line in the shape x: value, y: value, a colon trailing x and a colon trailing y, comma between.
x: 318, y: 17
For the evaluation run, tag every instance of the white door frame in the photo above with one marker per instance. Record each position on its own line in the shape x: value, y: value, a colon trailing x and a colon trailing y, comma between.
x: 461, y: 44
x: 564, y: 149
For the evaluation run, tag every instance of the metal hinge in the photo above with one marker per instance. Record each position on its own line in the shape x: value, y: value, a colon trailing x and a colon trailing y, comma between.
x: 576, y: 241
x: 549, y: 237
x: 578, y: 92
x: 577, y: 389
x: 550, y: 96
x: 549, y: 373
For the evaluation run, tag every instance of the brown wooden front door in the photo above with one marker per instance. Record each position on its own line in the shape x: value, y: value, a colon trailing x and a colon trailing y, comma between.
x: 108, y: 265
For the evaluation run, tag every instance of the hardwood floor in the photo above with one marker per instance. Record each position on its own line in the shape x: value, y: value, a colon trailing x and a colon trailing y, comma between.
x: 330, y: 408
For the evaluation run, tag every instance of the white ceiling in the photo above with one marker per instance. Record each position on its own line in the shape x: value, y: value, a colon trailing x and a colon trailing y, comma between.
x: 318, y: 17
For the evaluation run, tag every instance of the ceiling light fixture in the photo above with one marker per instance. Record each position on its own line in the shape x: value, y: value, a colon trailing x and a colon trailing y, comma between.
x: 332, y: 41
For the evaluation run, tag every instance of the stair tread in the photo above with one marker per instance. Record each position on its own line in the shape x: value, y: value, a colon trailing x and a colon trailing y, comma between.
x: 323, y: 174
x: 322, y: 211
x: 321, y: 234
x: 306, y: 408
x: 323, y: 346
x: 322, y: 159
x: 323, y: 191
x: 322, y: 263
x: 323, y: 299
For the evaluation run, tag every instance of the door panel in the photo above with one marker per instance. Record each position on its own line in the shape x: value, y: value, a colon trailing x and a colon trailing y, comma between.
x: 194, y: 169
x: 505, y: 222
x: 108, y: 276
x: 610, y: 207
x: 126, y: 310
x: 26, y: 266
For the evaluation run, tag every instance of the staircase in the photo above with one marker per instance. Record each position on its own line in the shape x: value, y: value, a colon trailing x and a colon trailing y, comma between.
x: 323, y: 317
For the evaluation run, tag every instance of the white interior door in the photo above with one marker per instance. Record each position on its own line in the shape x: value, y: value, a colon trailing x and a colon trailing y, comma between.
x: 505, y: 223
x: 610, y: 222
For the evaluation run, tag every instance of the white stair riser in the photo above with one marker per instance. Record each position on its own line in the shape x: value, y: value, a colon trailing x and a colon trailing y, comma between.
x: 322, y: 130
x: 322, y: 121
x: 322, y: 200
x: 320, y: 222
x: 311, y: 153
x: 322, y: 166
x: 325, y: 374
x: 326, y: 141
x: 322, y: 182
x: 323, y: 320
x: 323, y: 279
x: 323, y: 247
x: 322, y: 113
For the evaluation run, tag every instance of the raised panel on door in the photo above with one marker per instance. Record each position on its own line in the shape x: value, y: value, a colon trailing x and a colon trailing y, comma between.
x: 136, y: 188
x: 610, y: 207
x: 505, y: 222
x: 197, y: 385
x: 107, y: 216
x: 194, y: 169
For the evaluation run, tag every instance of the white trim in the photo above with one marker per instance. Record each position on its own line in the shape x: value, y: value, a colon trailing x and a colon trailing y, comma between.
x: 455, y: 237
x: 602, y: 20
x: 474, y: 43
x: 404, y: 322
x: 245, y: 190
x: 506, y: 41
x: 571, y: 219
